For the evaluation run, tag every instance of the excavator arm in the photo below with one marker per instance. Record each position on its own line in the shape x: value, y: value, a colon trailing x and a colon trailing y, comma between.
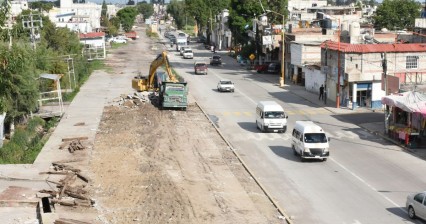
x: 145, y: 84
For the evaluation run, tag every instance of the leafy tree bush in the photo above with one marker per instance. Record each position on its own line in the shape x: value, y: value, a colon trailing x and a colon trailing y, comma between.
x: 145, y: 9
x: 393, y: 14
x: 127, y: 18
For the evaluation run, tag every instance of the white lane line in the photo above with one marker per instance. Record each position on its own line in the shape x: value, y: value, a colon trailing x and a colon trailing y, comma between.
x: 368, y: 185
x: 236, y: 90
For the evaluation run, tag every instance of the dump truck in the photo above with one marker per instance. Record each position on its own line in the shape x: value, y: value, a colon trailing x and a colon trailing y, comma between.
x: 171, y: 92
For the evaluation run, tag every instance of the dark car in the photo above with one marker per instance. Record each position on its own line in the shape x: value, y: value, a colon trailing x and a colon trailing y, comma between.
x: 263, y: 68
x: 201, y: 39
x: 274, y: 68
x: 215, y: 60
x: 172, y: 38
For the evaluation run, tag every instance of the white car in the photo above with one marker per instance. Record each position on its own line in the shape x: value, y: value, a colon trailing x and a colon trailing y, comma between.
x: 188, y: 53
x: 225, y: 85
x: 416, y: 205
x: 118, y: 40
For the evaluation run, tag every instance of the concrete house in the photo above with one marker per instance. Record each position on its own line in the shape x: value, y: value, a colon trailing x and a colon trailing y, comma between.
x: 361, y: 70
x: 94, y: 43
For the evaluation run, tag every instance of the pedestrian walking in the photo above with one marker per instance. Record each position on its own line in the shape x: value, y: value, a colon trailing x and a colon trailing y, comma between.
x: 321, y: 93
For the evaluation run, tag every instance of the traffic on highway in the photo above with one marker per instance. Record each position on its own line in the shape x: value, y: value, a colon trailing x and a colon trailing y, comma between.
x: 366, y: 179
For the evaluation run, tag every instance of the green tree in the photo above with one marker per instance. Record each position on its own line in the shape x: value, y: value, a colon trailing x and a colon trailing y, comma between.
x: 17, y: 90
x: 41, y: 5
x: 127, y: 17
x: 104, y: 15
x: 279, y: 6
x: 145, y: 9
x: 393, y: 14
x: 177, y: 10
x: 241, y: 16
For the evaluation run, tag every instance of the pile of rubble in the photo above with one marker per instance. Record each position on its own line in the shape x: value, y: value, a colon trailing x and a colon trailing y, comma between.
x: 133, y: 100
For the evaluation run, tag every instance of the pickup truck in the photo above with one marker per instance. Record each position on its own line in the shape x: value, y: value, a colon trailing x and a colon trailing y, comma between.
x: 200, y: 68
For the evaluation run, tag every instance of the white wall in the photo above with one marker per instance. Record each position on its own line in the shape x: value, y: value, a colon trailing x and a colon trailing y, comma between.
x: 17, y: 6
x: 377, y: 92
x: 313, y: 79
x: 100, y: 42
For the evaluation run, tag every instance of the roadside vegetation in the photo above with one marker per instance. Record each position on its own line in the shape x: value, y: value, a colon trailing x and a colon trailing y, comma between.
x: 21, y: 64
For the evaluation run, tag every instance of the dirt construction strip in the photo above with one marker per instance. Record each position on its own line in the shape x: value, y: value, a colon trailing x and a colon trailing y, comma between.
x: 151, y: 166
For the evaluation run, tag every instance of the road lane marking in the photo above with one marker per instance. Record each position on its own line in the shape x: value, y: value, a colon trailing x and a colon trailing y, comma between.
x: 368, y: 185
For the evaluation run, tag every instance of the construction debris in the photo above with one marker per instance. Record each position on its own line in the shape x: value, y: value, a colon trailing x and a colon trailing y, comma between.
x: 73, y: 144
x: 74, y: 138
x: 69, y: 192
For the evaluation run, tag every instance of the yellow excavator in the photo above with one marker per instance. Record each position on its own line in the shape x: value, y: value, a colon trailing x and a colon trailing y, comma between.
x: 171, y: 92
x: 141, y: 83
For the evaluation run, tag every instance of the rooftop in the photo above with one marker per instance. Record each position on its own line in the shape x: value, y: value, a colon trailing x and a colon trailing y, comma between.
x: 374, y: 48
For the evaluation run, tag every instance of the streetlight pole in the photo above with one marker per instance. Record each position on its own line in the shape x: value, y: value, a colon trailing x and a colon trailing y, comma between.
x: 282, y: 78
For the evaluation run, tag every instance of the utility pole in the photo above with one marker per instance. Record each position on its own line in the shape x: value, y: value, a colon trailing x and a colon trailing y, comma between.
x: 385, y: 80
x: 32, y: 22
x: 338, y: 69
x: 326, y: 65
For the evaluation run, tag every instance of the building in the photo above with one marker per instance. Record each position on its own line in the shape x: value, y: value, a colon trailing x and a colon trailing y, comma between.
x: 361, y: 70
x: 94, y: 45
x: 303, y: 51
x: 78, y: 17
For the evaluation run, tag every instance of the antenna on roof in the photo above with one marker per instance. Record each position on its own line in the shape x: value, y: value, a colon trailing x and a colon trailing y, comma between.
x: 263, y: 9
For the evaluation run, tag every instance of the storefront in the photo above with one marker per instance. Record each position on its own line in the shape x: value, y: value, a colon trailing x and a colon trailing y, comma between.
x: 405, y: 118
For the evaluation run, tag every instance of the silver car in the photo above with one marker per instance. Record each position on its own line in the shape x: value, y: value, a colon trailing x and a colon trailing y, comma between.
x: 416, y: 205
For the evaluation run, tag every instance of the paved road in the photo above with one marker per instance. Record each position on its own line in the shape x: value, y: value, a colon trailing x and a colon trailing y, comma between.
x: 366, y: 180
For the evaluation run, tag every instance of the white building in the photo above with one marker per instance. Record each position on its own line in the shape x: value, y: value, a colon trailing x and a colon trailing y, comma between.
x: 17, y: 6
x: 79, y: 17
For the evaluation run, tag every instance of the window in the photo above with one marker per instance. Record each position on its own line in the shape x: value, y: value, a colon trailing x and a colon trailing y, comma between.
x: 419, y: 197
x: 411, y: 62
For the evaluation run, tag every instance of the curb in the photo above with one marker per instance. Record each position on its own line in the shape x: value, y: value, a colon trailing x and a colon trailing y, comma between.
x: 280, y: 210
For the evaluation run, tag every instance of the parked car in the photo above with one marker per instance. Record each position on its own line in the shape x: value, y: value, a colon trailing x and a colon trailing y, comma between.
x: 201, y: 39
x: 181, y: 35
x: 263, y: 68
x: 225, y: 85
x: 200, y: 68
x: 118, y: 40
x: 416, y: 205
x: 215, y: 60
x: 188, y: 53
x: 274, y: 68
x: 244, y: 62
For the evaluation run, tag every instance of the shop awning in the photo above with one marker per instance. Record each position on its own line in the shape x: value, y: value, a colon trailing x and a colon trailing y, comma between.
x: 413, y: 102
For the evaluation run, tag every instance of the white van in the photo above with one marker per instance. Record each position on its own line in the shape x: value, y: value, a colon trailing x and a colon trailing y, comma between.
x: 309, y: 141
x: 270, y: 116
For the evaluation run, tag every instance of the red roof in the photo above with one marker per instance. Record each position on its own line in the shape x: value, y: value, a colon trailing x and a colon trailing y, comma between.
x: 91, y: 35
x: 131, y: 34
x: 374, y: 48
